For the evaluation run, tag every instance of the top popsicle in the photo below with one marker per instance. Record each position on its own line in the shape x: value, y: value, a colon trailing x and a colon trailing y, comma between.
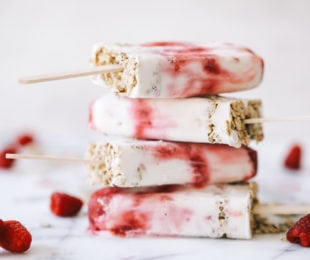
x: 178, y: 69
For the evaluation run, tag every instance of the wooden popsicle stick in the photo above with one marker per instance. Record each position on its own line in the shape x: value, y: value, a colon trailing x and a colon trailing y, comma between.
x: 281, y: 209
x: 70, y: 74
x: 46, y: 158
x: 276, y: 119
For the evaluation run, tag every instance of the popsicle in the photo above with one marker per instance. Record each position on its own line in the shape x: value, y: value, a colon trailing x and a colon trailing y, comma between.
x: 140, y: 163
x: 211, y: 119
x: 178, y: 69
x: 215, y: 211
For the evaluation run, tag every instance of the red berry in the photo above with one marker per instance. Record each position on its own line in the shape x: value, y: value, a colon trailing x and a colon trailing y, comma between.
x: 299, y: 233
x: 65, y: 205
x: 25, y: 139
x: 14, y: 236
x: 4, y: 162
x: 293, y: 158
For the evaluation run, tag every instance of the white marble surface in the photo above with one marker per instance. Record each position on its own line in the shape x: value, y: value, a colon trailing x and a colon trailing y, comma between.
x: 25, y: 191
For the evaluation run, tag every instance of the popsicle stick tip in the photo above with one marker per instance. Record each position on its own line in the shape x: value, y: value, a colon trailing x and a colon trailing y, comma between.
x: 22, y: 81
x: 47, y: 158
x: 281, y: 209
x: 10, y: 156
x: 70, y: 74
x: 276, y: 119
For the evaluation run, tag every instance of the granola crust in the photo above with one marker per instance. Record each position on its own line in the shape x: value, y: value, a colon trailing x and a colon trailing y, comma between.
x: 264, y: 226
x: 241, y: 111
x: 122, y: 81
x: 102, y: 168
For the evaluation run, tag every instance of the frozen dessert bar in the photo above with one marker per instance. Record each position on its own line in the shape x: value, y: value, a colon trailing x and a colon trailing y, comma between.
x: 150, y: 163
x: 178, y: 69
x: 216, y: 211
x: 200, y: 119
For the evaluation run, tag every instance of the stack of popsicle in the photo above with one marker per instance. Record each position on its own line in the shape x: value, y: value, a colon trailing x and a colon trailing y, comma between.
x: 185, y: 145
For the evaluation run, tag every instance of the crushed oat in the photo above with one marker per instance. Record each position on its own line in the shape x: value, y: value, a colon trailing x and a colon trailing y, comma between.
x: 123, y: 81
x: 103, y: 169
x: 241, y: 111
x: 264, y: 226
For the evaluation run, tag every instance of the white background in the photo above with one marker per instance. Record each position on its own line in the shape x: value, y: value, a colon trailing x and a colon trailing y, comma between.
x: 40, y: 36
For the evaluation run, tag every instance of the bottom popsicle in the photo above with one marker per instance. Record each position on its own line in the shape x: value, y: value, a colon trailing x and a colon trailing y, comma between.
x: 215, y: 211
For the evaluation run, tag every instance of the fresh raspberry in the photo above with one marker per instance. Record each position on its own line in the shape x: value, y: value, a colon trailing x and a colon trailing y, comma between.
x: 65, y: 205
x: 293, y: 159
x: 25, y: 139
x: 4, y: 162
x: 299, y: 233
x: 14, y: 236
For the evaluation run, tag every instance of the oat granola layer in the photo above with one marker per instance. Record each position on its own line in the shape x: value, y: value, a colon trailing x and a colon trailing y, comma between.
x: 151, y: 163
x: 212, y: 119
x: 178, y: 69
